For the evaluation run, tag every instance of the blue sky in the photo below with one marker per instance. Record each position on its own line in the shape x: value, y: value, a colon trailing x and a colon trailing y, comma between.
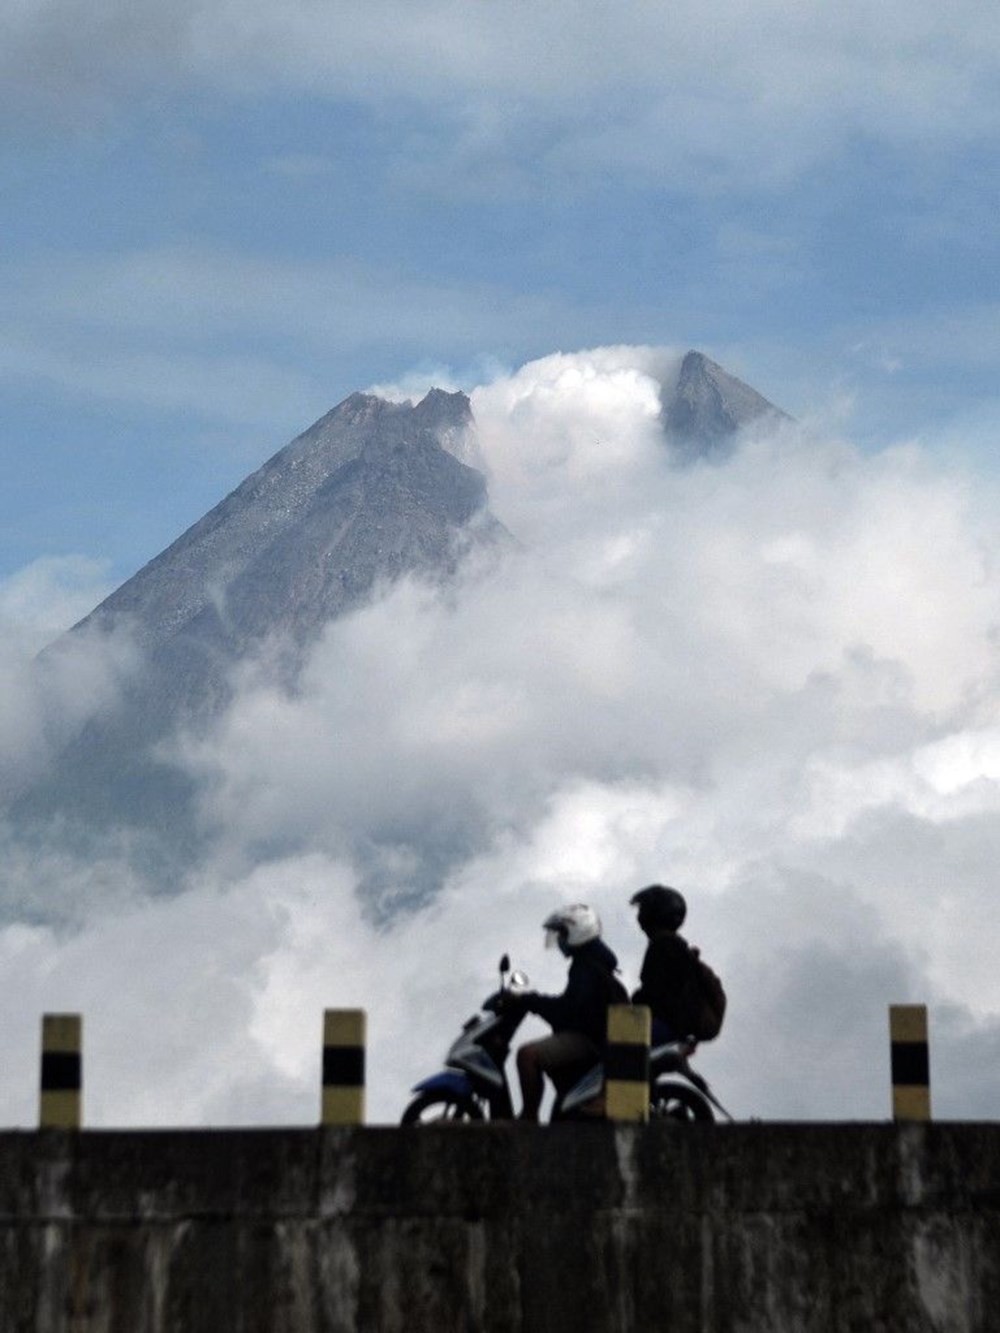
x: 219, y: 220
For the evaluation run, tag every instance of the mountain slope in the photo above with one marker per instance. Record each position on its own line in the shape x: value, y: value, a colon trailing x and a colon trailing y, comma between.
x: 367, y: 482
x: 364, y: 496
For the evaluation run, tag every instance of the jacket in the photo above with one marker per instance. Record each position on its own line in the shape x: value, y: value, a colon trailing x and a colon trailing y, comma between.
x: 590, y: 987
x: 665, y: 980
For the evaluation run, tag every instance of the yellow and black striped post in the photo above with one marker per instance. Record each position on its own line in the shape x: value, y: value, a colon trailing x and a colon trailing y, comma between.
x: 62, y: 1072
x: 343, y: 1067
x: 626, y: 1068
x: 911, y: 1077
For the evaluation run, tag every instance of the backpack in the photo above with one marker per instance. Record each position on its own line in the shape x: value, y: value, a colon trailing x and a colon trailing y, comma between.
x: 706, y: 999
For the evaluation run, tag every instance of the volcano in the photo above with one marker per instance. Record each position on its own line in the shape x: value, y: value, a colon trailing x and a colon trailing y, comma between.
x: 373, y: 491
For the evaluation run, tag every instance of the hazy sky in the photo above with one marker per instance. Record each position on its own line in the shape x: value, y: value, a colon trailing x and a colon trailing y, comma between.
x: 774, y: 682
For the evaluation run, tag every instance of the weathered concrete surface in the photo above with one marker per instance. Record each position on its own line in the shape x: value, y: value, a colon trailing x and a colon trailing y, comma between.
x: 754, y: 1228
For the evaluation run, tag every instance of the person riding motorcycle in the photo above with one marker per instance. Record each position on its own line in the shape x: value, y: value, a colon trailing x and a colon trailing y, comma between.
x: 664, y: 981
x: 578, y: 1017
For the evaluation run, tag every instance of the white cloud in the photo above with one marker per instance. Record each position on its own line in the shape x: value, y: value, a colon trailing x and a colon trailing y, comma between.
x: 46, y: 597
x: 772, y: 681
x: 765, y: 88
x: 45, y: 701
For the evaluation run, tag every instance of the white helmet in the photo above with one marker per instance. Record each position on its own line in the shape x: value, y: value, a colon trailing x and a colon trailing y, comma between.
x: 571, y: 926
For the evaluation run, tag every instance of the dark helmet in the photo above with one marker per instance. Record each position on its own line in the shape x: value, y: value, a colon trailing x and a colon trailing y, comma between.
x: 660, y: 908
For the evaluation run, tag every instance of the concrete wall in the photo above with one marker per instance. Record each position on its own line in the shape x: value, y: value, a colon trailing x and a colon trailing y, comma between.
x: 762, y: 1228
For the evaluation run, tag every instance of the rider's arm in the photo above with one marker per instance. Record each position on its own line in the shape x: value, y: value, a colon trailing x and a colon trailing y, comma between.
x: 574, y: 1009
x: 551, y: 1008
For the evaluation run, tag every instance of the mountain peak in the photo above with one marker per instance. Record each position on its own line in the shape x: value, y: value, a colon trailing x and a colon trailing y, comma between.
x: 361, y: 402
x: 709, y: 407
x: 445, y: 414
x: 443, y: 402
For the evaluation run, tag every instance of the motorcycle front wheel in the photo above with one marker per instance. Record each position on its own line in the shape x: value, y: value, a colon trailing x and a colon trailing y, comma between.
x: 676, y: 1101
x: 434, y: 1108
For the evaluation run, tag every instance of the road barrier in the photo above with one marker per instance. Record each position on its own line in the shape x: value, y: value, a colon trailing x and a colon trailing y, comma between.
x: 627, y: 1062
x: 62, y: 1072
x: 343, y: 1087
x: 343, y: 1100
x: 911, y: 1090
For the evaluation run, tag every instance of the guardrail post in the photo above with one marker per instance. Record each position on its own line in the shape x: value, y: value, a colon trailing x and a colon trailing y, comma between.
x: 627, y: 1062
x: 62, y: 1072
x: 343, y: 1101
x: 911, y: 1091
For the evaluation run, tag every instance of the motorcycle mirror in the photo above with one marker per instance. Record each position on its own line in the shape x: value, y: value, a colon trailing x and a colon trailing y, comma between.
x: 504, y: 965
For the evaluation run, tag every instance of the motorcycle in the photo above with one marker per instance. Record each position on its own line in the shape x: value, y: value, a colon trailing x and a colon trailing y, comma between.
x: 473, y: 1086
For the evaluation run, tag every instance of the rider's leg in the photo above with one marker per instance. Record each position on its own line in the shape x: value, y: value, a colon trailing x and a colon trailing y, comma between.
x: 537, y: 1058
x: 529, y: 1073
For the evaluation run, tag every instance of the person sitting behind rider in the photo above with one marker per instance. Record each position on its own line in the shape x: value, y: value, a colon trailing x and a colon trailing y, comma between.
x: 664, y: 981
x: 578, y: 1017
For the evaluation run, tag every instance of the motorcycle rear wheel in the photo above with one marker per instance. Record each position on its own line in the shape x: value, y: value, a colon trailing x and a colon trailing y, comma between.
x: 434, y: 1108
x: 676, y: 1101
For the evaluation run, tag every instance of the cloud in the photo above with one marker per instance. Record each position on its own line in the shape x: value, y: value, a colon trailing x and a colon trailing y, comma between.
x: 772, y: 681
x: 766, y: 89
x: 46, y: 597
x: 45, y: 701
